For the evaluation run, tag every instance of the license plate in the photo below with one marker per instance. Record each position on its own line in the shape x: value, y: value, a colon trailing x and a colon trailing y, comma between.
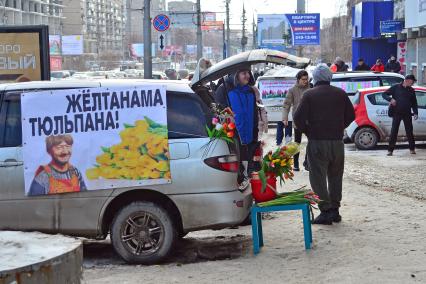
x: 276, y: 108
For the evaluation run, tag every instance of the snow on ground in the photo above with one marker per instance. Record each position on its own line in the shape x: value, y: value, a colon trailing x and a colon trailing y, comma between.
x: 19, y: 249
x: 380, y: 239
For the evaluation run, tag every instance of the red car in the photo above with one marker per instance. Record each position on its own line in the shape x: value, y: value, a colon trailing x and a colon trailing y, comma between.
x: 372, y: 123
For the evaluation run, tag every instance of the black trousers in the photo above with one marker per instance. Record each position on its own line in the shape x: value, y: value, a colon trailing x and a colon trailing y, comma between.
x: 297, y: 139
x: 408, y: 124
x: 326, y: 160
x: 246, y: 153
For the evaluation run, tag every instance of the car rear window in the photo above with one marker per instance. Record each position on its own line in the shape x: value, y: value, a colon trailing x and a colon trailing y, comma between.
x: 352, y: 84
x: 187, y: 116
x: 390, y: 81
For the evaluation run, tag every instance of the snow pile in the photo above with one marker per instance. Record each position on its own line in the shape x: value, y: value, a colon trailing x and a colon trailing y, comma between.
x: 19, y: 249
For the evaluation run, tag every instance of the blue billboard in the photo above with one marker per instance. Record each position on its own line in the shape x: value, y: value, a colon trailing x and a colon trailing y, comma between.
x: 284, y: 31
x: 391, y: 27
x: 305, y: 28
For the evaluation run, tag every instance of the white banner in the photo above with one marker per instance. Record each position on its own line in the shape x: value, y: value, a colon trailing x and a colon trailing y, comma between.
x: 90, y: 139
x: 72, y: 45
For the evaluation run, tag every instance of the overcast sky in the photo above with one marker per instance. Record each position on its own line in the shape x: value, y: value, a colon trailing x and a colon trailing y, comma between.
x: 327, y: 8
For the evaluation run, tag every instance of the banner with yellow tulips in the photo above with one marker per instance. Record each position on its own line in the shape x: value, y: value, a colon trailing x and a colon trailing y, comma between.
x: 100, y: 138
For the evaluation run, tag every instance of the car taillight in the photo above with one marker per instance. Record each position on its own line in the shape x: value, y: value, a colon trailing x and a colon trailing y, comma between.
x: 227, y: 163
x: 258, y: 154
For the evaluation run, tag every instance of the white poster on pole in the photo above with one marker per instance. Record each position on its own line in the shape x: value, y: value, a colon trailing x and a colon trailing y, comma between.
x: 91, y: 139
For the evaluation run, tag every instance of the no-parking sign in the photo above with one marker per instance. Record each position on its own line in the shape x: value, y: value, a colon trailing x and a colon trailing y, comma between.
x: 161, y: 22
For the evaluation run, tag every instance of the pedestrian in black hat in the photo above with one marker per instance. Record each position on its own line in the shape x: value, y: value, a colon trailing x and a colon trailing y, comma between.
x: 402, y: 98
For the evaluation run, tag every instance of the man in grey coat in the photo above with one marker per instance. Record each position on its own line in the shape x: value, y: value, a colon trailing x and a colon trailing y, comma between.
x: 323, y: 114
x: 293, y: 98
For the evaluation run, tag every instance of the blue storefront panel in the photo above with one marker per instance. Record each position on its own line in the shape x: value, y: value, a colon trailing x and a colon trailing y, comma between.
x: 371, y: 49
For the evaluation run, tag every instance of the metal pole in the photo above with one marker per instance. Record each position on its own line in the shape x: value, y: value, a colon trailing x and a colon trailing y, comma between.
x: 224, y: 40
x: 300, y: 10
x: 228, y: 31
x: 199, y: 33
x: 147, y: 56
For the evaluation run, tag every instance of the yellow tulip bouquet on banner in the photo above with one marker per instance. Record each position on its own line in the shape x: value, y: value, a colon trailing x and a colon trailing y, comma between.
x: 141, y: 154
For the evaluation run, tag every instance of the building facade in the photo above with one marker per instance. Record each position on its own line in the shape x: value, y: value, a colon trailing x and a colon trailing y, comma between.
x: 100, y: 22
x: 415, y: 36
x: 32, y: 12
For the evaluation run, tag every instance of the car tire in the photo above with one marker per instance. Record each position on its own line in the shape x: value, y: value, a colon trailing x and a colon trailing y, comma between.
x: 143, y: 232
x: 366, y: 138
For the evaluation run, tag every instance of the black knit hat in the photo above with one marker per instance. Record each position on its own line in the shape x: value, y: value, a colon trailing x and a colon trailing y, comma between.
x: 410, y: 77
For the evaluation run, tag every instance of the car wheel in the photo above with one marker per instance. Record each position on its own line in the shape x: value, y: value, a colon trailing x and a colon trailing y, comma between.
x: 366, y: 138
x: 142, y: 232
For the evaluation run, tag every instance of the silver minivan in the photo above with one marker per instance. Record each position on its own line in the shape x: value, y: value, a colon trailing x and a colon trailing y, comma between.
x: 143, y: 223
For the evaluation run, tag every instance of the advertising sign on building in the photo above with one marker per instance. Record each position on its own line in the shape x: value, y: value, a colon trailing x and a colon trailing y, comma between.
x: 137, y: 49
x: 212, y: 26
x: 278, y: 31
x: 389, y: 28
x: 24, y: 54
x: 305, y: 28
x: 401, y: 52
x: 91, y: 139
x: 72, y: 45
x: 55, y: 63
x: 54, y: 44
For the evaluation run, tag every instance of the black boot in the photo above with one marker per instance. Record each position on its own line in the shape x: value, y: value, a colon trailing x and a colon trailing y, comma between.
x: 323, y: 219
x: 334, y: 215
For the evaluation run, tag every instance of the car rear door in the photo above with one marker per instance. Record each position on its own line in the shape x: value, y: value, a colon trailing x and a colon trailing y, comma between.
x: 419, y: 125
x: 377, y: 110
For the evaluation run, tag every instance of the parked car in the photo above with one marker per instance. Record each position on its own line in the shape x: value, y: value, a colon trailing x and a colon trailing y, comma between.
x: 159, y: 75
x: 352, y: 81
x: 283, y: 79
x: 372, y: 123
x: 58, y: 75
x: 203, y: 193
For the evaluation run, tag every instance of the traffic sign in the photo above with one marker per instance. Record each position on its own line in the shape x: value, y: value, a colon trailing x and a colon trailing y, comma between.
x: 161, y: 22
x: 161, y: 41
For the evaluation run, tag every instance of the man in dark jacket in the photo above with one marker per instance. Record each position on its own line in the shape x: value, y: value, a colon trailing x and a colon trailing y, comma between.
x: 393, y: 65
x: 362, y: 66
x: 402, y: 98
x: 323, y: 114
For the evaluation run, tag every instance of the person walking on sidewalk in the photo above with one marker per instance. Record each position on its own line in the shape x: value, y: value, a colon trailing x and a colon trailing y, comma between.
x: 402, y: 98
x: 323, y: 114
x: 293, y: 98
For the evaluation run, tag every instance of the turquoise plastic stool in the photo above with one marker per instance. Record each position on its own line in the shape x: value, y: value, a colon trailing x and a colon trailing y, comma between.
x: 256, y: 223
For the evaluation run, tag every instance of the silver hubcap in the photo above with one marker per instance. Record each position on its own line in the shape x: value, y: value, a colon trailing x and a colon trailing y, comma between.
x: 142, y: 233
x: 366, y: 139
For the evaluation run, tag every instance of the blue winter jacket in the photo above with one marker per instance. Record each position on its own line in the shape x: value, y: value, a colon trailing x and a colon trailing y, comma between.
x: 242, y: 100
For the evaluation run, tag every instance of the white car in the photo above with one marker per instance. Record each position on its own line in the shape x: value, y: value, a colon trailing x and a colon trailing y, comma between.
x: 275, y: 85
x: 372, y: 123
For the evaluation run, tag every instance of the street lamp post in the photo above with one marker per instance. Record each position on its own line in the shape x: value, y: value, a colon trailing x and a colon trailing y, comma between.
x: 147, y: 56
x: 199, y: 33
